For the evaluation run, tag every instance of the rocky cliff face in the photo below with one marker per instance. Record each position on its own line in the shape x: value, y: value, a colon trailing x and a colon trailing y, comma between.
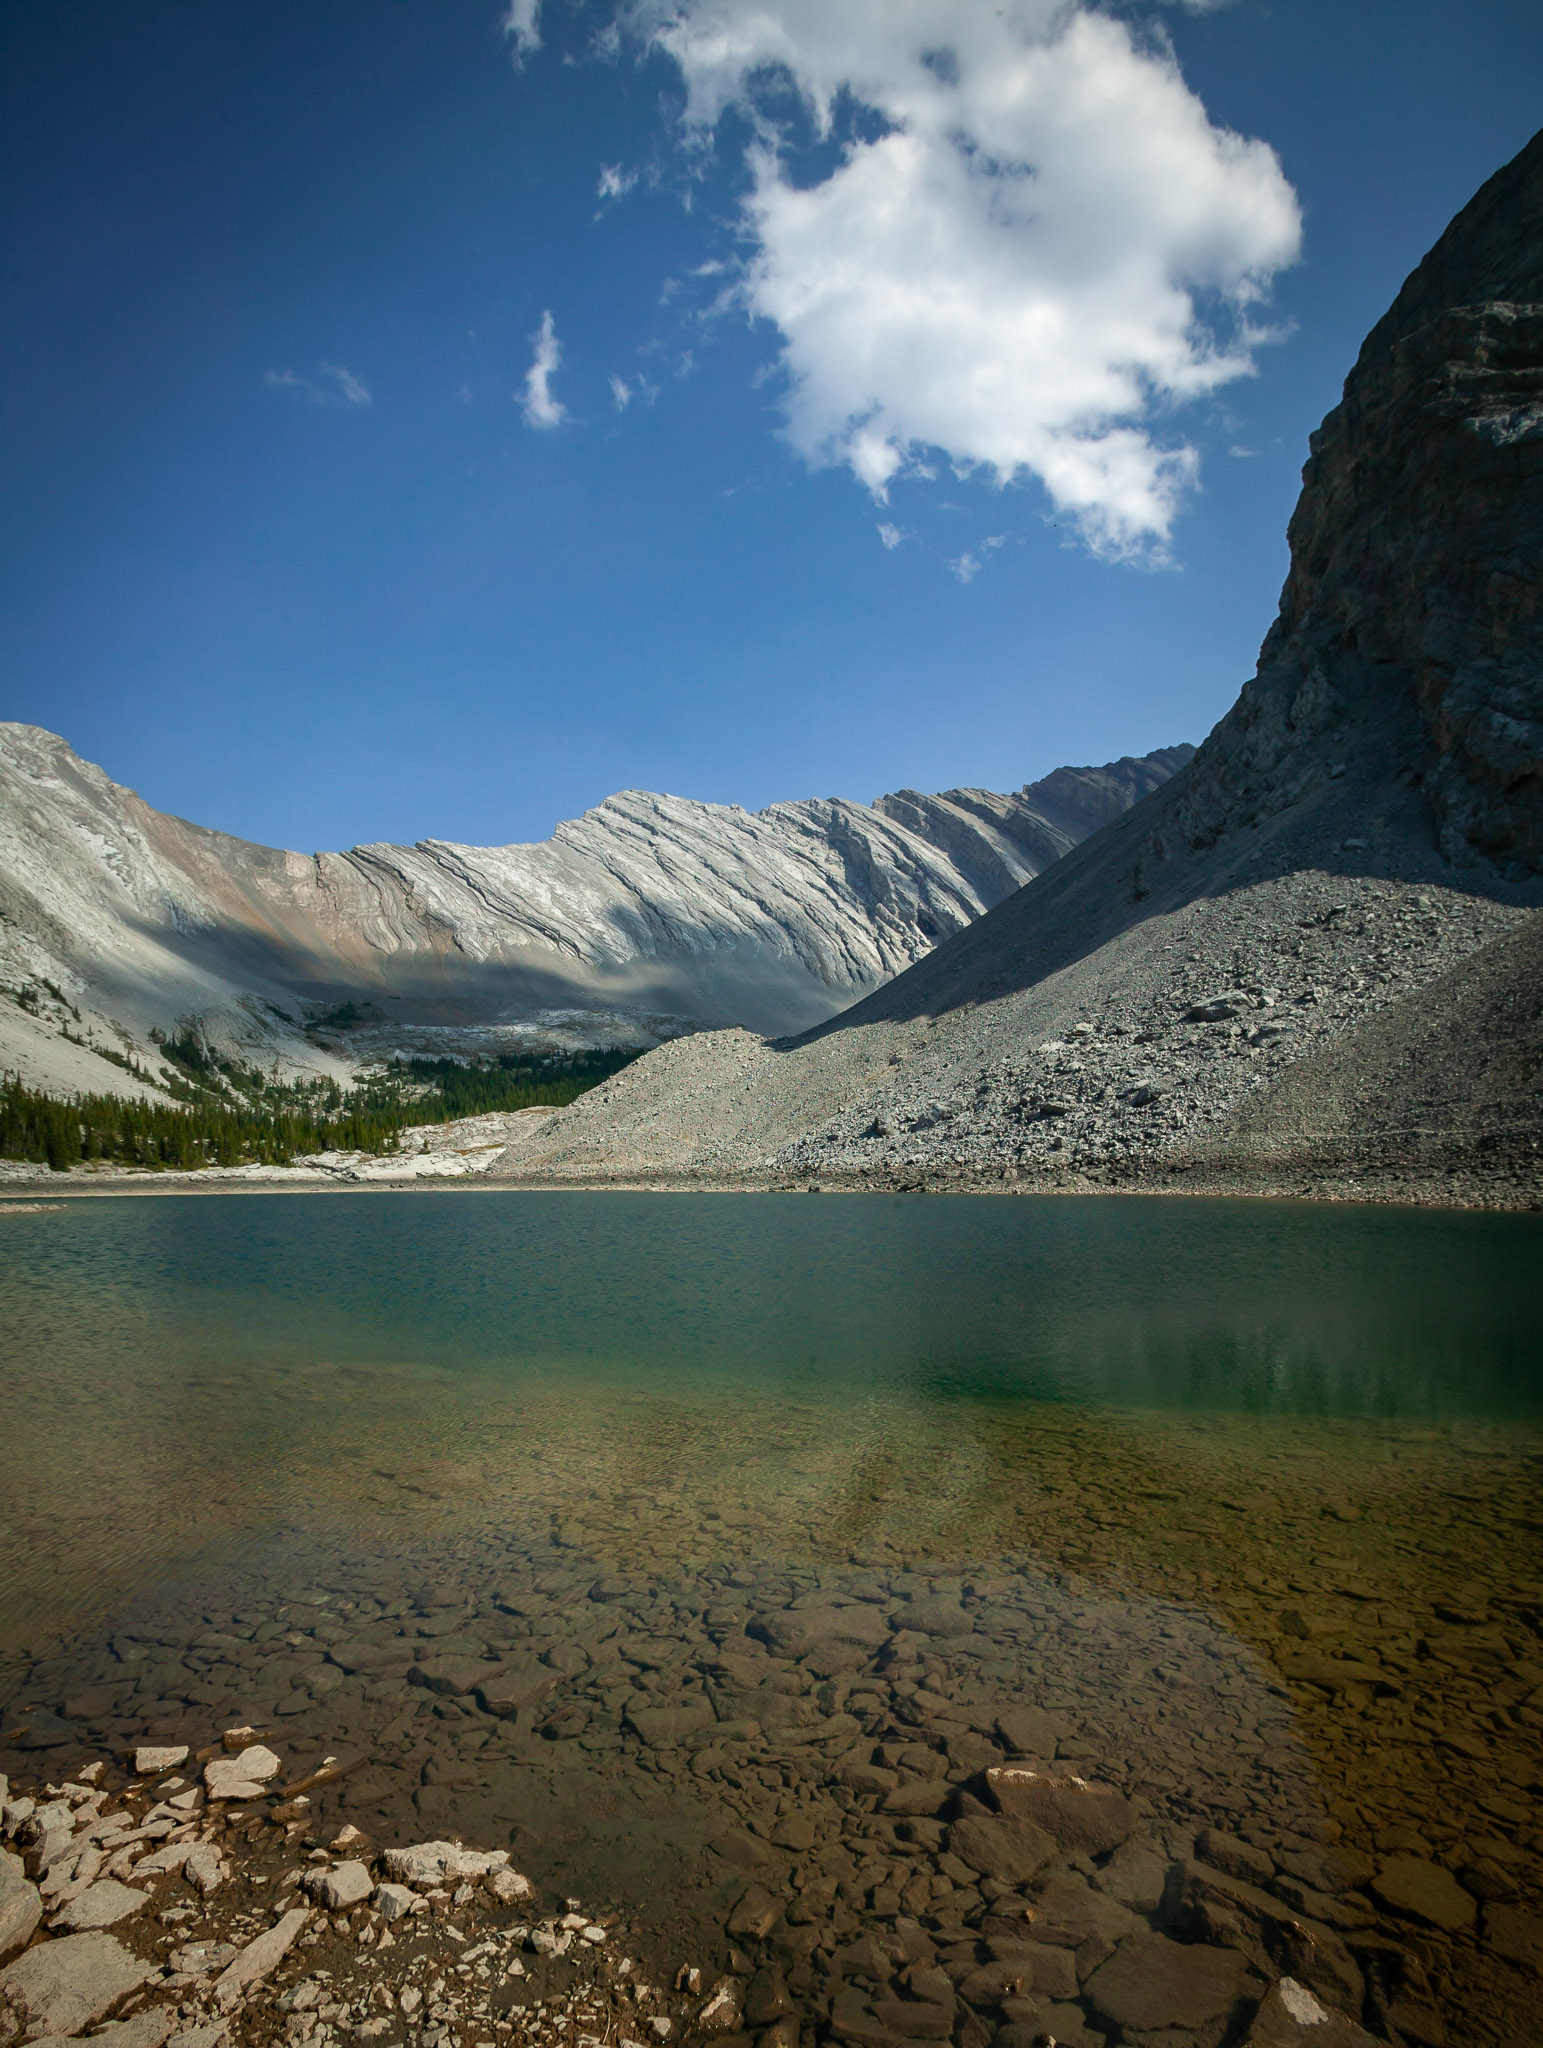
x: 1293, y: 959
x: 647, y: 911
x: 1414, y: 605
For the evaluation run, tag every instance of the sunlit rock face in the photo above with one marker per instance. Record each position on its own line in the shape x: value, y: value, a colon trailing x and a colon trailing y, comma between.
x: 646, y: 913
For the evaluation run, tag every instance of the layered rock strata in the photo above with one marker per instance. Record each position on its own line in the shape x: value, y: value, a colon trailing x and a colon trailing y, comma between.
x: 645, y: 913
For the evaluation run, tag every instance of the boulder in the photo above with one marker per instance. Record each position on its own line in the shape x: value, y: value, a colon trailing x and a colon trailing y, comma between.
x: 795, y: 1631
x: 934, y: 1614
x: 1082, y: 1818
x: 395, y: 1901
x: 344, y: 1885
x: 451, y: 1675
x: 519, y: 1683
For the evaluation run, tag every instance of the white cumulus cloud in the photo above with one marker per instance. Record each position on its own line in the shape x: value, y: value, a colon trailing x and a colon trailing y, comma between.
x: 329, y: 384
x: 1034, y: 244
x: 540, y: 404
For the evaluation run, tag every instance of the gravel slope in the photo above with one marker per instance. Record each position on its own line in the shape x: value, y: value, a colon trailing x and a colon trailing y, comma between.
x: 1311, y: 959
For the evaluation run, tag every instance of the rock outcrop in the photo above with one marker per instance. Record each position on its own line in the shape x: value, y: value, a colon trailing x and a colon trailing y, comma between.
x: 645, y: 913
x: 1343, y: 883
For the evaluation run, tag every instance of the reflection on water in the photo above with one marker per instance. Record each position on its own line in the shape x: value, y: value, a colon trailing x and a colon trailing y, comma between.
x: 1231, y: 1505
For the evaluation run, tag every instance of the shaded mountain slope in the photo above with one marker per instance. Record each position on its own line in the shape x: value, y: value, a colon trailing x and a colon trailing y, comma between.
x: 1365, y: 825
x: 647, y: 912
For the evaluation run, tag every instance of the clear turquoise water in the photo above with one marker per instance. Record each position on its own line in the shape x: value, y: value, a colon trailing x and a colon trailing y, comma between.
x: 1202, y: 1437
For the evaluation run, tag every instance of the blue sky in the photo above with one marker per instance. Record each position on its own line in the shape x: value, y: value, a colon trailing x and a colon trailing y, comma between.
x: 295, y: 545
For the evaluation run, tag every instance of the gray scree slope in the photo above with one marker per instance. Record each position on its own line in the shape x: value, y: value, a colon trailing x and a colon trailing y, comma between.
x: 646, y: 912
x: 1315, y: 954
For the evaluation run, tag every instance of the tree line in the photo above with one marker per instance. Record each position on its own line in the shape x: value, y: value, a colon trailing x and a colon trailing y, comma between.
x: 229, y: 1115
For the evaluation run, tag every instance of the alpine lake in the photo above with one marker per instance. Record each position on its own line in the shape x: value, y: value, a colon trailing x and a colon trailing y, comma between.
x: 707, y: 1551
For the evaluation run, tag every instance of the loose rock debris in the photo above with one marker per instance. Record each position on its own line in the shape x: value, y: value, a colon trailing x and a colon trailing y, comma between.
x: 159, y: 1907
x: 230, y: 1922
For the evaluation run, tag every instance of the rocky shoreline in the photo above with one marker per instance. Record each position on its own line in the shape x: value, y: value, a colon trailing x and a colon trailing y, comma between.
x: 184, y: 1897
x: 188, y: 1900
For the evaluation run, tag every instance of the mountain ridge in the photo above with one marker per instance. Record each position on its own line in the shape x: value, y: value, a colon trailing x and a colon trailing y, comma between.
x: 647, y: 915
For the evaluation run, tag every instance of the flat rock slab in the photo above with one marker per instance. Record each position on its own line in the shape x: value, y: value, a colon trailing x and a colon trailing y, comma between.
x: 797, y: 1629
x: 102, y: 1904
x: 1136, y: 1875
x: 1291, y: 2017
x: 1151, y: 1982
x: 260, y: 1958
x: 1424, y: 1891
x: 665, y: 1727
x: 146, y: 2029
x: 149, y: 1759
x: 1516, y: 1935
x: 1028, y: 1731
x: 62, y: 1986
x: 434, y: 1863
x: 919, y: 1796
x: 242, y: 1776
x: 453, y: 1676
x: 1011, y: 1851
x: 1080, y: 1817
x: 21, y: 1906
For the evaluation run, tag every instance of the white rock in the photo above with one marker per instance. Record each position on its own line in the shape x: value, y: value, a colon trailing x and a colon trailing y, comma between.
x: 207, y: 2036
x: 396, y: 1901
x: 434, y: 1863
x: 147, y: 2029
x: 102, y: 1904
x: 199, y: 1958
x: 1301, y: 2004
x: 21, y: 1907
x: 149, y: 1760
x: 260, y: 1957
x: 61, y: 1987
x: 344, y: 1885
x: 509, y: 1887
x: 243, y: 1776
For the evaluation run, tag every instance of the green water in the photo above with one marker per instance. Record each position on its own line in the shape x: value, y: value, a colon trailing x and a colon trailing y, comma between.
x: 1215, y: 1440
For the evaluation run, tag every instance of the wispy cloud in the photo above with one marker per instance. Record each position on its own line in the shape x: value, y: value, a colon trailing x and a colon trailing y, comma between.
x: 330, y: 384
x: 891, y: 536
x: 966, y: 567
x: 621, y: 391
x: 615, y: 183
x: 540, y: 406
x: 522, y: 25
